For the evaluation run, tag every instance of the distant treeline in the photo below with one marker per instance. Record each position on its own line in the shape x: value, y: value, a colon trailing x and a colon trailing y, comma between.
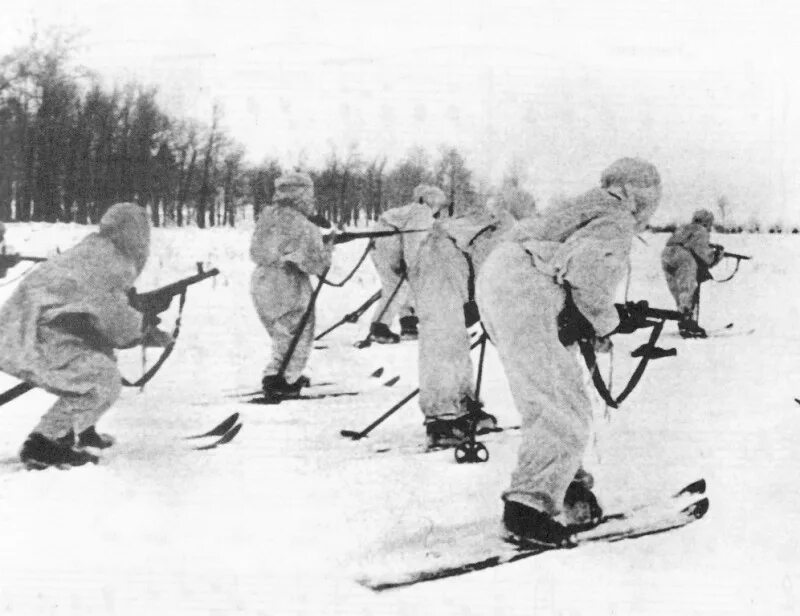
x: 70, y: 147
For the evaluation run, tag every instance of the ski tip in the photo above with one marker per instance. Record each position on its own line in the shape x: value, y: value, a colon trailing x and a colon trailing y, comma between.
x: 392, y: 381
x: 351, y: 434
x: 378, y: 373
x: 230, y: 435
x: 219, y: 429
x: 797, y: 400
x: 728, y: 326
x: 697, y: 509
x: 696, y: 487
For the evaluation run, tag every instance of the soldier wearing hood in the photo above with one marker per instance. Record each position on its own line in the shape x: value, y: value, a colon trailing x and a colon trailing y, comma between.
x: 443, y: 283
x: 578, y: 250
x: 61, y: 325
x: 287, y: 248
x: 686, y: 259
x: 394, y: 256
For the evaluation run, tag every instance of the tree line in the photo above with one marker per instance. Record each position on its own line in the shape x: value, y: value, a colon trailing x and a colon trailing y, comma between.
x: 70, y: 148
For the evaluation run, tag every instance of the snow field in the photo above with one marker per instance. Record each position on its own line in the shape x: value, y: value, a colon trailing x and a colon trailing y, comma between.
x: 281, y: 520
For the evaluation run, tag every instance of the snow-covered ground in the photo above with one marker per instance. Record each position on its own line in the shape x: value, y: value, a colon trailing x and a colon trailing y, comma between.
x: 279, y: 521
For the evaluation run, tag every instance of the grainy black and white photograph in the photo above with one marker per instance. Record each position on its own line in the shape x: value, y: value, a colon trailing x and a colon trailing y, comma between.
x: 369, y: 308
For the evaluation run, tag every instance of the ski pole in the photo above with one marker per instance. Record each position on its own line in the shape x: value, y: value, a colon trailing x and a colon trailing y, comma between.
x: 361, y: 344
x: 352, y: 317
x: 359, y: 435
x: 471, y: 450
x: 303, y: 322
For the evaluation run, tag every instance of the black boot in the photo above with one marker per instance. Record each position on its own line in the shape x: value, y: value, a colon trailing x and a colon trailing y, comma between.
x: 529, y: 526
x: 443, y: 433
x: 380, y: 333
x: 275, y: 387
x: 91, y: 438
x: 689, y: 328
x: 580, y: 504
x: 479, y: 420
x: 39, y: 452
x: 408, y: 328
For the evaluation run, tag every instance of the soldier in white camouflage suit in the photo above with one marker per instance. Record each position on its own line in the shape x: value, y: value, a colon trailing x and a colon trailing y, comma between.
x: 443, y: 283
x: 686, y: 259
x: 287, y: 248
x: 59, y: 329
x: 394, y: 255
x: 573, y: 256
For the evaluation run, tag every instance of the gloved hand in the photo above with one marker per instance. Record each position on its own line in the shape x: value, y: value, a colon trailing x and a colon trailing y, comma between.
x: 320, y: 221
x: 631, y: 316
x: 718, y: 252
x: 603, y: 344
x: 153, y: 337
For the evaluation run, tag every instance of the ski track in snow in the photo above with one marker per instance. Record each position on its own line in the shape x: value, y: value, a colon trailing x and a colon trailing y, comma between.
x: 282, y: 520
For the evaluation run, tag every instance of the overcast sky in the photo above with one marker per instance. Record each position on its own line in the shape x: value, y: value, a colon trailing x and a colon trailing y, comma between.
x: 706, y: 90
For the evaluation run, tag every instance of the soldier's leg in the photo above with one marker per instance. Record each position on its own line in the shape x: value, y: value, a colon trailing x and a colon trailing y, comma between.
x: 520, y: 307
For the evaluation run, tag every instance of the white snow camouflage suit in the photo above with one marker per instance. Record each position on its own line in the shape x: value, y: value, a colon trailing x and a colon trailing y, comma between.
x: 59, y: 328
x: 585, y: 243
x: 686, y: 255
x: 442, y: 281
x: 286, y: 248
x: 396, y: 254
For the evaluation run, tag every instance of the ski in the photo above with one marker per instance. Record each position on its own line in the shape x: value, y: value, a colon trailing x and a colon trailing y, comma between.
x: 727, y: 331
x: 486, y: 547
x: 260, y: 392
x: 421, y: 448
x: 218, y: 430
x: 263, y: 400
x: 225, y: 438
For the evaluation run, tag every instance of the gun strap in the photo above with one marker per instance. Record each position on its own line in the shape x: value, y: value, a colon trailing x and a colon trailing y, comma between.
x: 470, y: 269
x: 341, y: 283
x: 735, y: 269
x: 587, y: 350
x: 151, y: 372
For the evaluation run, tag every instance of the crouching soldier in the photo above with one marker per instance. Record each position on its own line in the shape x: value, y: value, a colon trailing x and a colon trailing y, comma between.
x: 570, y: 258
x: 287, y: 248
x: 686, y: 260
x: 59, y: 329
x: 394, y: 255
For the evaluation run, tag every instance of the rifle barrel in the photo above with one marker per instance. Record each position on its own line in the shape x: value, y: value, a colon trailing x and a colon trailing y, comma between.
x: 733, y: 255
x: 349, y: 236
x: 178, y: 286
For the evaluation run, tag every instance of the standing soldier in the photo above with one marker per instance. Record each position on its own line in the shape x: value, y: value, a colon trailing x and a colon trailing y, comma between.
x: 59, y: 329
x: 287, y: 248
x: 394, y: 255
x: 686, y: 259
x: 443, y: 283
x: 563, y: 266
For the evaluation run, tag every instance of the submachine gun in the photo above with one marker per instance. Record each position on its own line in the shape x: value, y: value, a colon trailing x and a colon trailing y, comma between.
x: 633, y: 316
